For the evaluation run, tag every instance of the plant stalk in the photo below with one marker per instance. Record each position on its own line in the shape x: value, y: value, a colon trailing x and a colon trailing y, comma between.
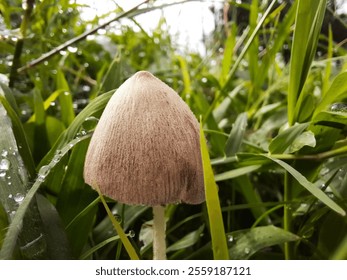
x: 287, y: 215
x: 159, y: 227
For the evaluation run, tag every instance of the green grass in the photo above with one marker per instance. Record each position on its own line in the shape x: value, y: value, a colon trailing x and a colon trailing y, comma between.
x: 273, y: 134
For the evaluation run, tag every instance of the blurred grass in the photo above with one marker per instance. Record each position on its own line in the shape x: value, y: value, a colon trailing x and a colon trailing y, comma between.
x: 272, y: 95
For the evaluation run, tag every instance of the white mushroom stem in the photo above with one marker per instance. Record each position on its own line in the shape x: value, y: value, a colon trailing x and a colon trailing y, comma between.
x: 159, y: 227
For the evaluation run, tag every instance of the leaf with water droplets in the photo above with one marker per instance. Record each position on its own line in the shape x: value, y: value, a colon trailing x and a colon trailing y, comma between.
x: 246, y: 243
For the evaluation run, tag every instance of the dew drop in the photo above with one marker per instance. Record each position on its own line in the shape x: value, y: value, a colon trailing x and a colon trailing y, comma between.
x: 72, y: 49
x: 4, y: 164
x: 90, y: 123
x: 18, y: 198
x: 43, y: 173
x: 118, y: 218
x: 10, y: 196
x: 12, y: 213
x: 4, y: 153
x: 230, y: 238
x: 131, y: 234
x: 338, y: 107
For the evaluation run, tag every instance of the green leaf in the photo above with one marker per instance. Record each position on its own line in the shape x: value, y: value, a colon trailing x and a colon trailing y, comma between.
x: 129, y: 248
x: 97, y: 247
x: 187, y: 241
x: 318, y: 193
x: 74, y: 197
x: 113, y: 77
x: 219, y: 244
x: 65, y: 99
x: 305, y: 139
x: 54, y: 127
x: 57, y: 243
x: 245, y: 243
x: 236, y: 172
x: 95, y: 107
x: 17, y: 222
x: 283, y: 140
x: 336, y: 92
x: 237, y: 133
x: 14, y: 183
x: 309, y: 18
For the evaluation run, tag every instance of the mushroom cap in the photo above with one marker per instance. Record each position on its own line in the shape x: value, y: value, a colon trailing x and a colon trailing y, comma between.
x: 145, y: 149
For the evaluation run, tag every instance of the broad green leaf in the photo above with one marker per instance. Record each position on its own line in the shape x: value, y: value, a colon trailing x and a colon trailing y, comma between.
x: 16, y: 225
x: 19, y: 134
x: 74, y: 197
x: 283, y: 140
x: 235, y: 138
x: 3, y: 224
x: 304, y: 139
x: 309, y: 18
x: 57, y: 243
x: 14, y: 184
x: 245, y: 243
x: 187, y: 241
x: 219, y: 244
x: 54, y: 127
x: 336, y: 92
x: 236, y: 172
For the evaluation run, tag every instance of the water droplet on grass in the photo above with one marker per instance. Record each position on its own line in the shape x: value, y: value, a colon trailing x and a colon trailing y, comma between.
x: 4, y: 164
x: 18, y: 198
x: 90, y: 123
x: 4, y: 153
x: 230, y: 238
x: 43, y: 172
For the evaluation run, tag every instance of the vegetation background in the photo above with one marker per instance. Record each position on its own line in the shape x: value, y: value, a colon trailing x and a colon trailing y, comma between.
x: 271, y: 91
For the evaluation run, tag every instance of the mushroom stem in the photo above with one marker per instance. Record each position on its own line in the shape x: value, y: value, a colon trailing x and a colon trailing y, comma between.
x: 159, y: 227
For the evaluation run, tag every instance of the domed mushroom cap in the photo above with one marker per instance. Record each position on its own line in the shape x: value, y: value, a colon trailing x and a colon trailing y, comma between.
x: 145, y: 148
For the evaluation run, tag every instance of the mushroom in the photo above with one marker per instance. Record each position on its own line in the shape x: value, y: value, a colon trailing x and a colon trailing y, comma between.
x: 145, y: 150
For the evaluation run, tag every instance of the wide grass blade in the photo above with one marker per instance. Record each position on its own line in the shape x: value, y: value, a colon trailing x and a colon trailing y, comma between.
x: 336, y: 92
x: 17, y: 222
x: 309, y: 18
x: 237, y: 133
x: 245, y: 243
x: 282, y: 141
x: 219, y: 244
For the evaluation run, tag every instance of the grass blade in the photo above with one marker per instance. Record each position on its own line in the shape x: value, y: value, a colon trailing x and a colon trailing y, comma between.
x: 318, y: 193
x: 236, y: 173
x: 234, y: 141
x: 309, y: 18
x: 219, y: 244
x: 123, y: 237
